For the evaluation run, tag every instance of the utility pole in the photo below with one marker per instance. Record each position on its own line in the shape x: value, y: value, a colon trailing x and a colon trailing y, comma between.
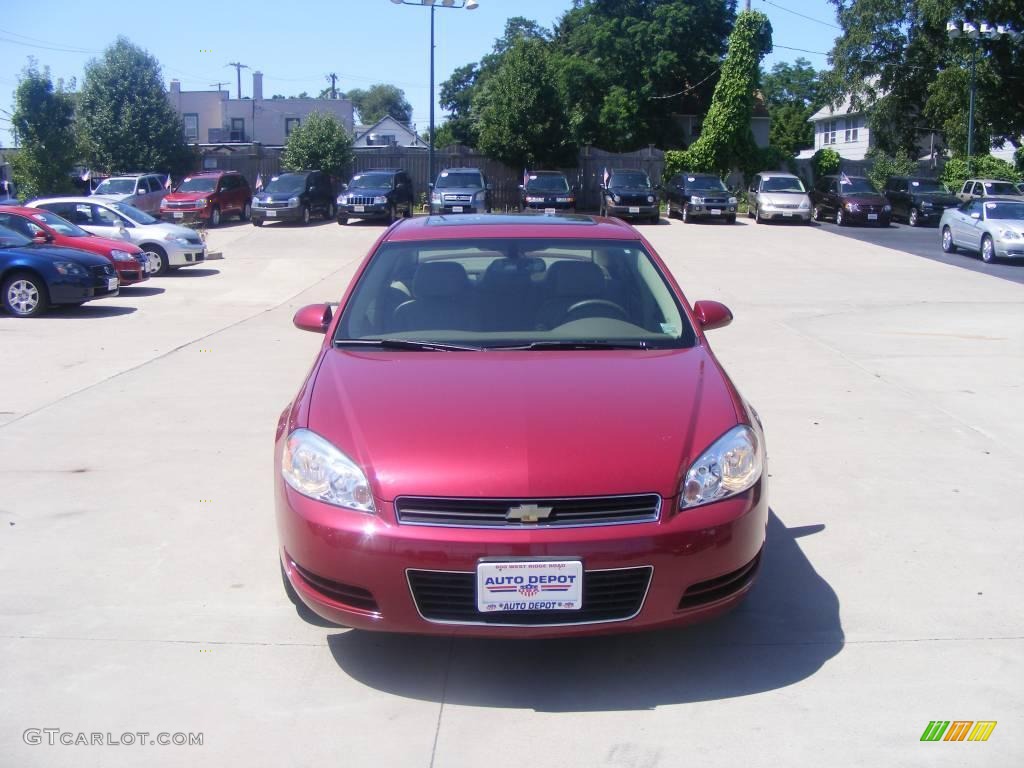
x: 238, y: 71
x: 218, y: 85
x: 334, y: 91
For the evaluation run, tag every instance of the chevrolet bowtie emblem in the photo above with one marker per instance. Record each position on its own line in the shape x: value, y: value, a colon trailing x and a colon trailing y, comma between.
x: 528, y: 513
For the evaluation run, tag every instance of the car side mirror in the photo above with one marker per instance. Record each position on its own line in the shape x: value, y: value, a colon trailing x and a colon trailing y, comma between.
x: 490, y: 187
x: 712, y: 314
x: 314, y: 318
x: 42, y: 237
x: 975, y: 215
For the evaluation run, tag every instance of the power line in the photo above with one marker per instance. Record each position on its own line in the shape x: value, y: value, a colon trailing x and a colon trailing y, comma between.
x: 238, y: 71
x: 691, y: 88
x: 803, y: 15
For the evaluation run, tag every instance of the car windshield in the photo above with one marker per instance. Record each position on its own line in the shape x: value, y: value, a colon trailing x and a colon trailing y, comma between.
x: 11, y: 239
x: 198, y: 184
x: 855, y: 186
x: 1012, y: 211
x: 514, y: 293
x: 629, y: 179
x: 928, y: 185
x: 133, y: 213
x: 705, y: 184
x: 1000, y: 188
x: 450, y: 179
x: 546, y: 183
x: 60, y: 225
x: 782, y: 184
x: 372, y: 181
x: 117, y: 187
x: 287, y: 184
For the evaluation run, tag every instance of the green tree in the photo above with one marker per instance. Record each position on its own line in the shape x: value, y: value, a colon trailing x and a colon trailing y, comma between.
x: 791, y: 93
x: 378, y: 101
x: 520, y: 114
x: 125, y: 121
x: 954, y: 174
x: 320, y: 142
x: 826, y: 162
x: 43, y: 125
x: 726, y: 141
x: 884, y: 165
x: 907, y: 71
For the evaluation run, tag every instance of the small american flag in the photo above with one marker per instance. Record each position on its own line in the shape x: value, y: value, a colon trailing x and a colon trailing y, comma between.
x: 844, y: 179
x: 259, y: 182
x: 167, y: 184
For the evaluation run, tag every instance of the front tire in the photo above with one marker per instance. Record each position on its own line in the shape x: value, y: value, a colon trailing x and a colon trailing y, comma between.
x: 24, y: 295
x: 305, y: 215
x: 158, y: 256
x: 245, y: 213
x: 730, y: 220
x: 215, y: 217
x: 390, y: 218
x: 816, y: 213
x: 948, y: 246
x: 332, y: 212
x: 342, y: 221
x: 914, y: 219
x: 684, y: 214
x: 257, y: 222
x: 840, y: 218
x: 988, y: 250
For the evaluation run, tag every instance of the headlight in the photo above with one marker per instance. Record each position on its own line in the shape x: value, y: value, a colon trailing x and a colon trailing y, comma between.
x: 886, y: 208
x: 69, y: 268
x: 535, y: 199
x: 805, y: 204
x: 117, y: 255
x: 173, y: 238
x: 732, y: 201
x: 201, y: 202
x: 255, y: 201
x: 1009, y: 234
x: 293, y: 202
x: 926, y: 204
x: 435, y: 197
x: 480, y: 195
x: 340, y: 200
x: 697, y: 200
x: 730, y: 466
x: 650, y: 198
x: 852, y: 207
x: 315, y: 468
x: 615, y: 197
x: 379, y: 200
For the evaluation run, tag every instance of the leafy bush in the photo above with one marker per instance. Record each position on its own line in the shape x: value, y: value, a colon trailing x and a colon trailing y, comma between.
x: 825, y: 162
x: 884, y: 165
x: 1018, y: 159
x: 320, y: 142
x: 982, y: 167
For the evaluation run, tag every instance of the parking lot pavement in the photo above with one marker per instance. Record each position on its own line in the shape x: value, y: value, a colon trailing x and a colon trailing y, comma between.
x: 925, y: 241
x: 138, y: 548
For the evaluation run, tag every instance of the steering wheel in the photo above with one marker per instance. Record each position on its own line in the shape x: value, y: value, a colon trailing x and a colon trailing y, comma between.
x: 593, y: 308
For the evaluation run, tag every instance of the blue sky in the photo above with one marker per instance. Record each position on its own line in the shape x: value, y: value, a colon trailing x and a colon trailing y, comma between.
x: 363, y: 41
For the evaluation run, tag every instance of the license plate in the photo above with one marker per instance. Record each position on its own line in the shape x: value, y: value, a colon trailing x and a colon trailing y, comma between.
x: 634, y: 209
x: 456, y: 209
x: 549, y: 210
x: 715, y: 211
x: 359, y: 208
x: 111, y: 283
x: 271, y: 214
x: 872, y: 217
x: 787, y: 214
x: 179, y: 215
x: 529, y: 585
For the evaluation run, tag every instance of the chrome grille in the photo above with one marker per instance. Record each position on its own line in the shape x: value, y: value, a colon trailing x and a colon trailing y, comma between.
x: 458, y: 198
x: 103, y: 270
x: 180, y: 206
x: 493, y: 513
x: 360, y: 200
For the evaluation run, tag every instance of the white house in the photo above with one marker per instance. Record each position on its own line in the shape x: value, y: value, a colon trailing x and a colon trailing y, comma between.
x: 843, y: 129
x: 211, y: 117
x: 387, y: 132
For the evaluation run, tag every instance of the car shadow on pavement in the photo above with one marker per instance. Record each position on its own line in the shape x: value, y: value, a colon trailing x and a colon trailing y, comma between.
x: 786, y: 630
x: 132, y: 291
x: 191, y: 272
x: 88, y: 312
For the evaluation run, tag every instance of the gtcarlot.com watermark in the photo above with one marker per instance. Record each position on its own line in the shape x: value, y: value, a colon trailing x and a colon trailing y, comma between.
x: 55, y: 736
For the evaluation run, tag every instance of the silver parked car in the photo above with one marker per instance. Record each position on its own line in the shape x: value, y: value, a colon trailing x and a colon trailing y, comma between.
x: 993, y: 227
x: 982, y: 188
x: 461, y: 190
x: 775, y: 195
x: 139, y: 190
x: 167, y: 246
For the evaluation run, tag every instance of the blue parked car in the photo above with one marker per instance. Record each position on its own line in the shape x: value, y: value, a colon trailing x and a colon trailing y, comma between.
x: 34, y: 277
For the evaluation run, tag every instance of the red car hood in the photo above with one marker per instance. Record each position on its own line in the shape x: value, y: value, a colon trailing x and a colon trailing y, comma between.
x: 186, y: 197
x: 522, y: 424
x: 100, y: 245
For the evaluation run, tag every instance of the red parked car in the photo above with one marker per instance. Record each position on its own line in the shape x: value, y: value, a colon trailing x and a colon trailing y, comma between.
x: 209, y: 196
x: 43, y: 226
x: 515, y: 427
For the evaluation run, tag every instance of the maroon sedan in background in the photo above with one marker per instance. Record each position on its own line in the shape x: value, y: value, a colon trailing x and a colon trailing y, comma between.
x: 849, y: 200
x: 515, y: 427
x: 43, y: 226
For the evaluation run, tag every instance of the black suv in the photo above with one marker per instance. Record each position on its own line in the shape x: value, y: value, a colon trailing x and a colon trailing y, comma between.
x: 629, y: 194
x: 377, y: 194
x: 546, y: 191
x: 294, y: 196
x: 918, y: 200
x: 700, y: 196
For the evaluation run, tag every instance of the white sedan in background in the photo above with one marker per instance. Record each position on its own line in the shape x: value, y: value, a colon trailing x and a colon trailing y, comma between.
x: 992, y: 227
x: 168, y: 246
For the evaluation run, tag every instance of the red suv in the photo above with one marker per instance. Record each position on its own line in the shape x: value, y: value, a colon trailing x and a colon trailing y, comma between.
x: 209, y: 196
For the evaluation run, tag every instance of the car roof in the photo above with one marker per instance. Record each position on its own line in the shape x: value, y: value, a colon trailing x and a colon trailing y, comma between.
x: 72, y: 199
x: 629, y: 170
x: 991, y: 181
x: 698, y: 175
x: 545, y: 173
x: 133, y: 175
x: 510, y: 225
x: 22, y: 209
x: 212, y: 173
x: 777, y: 175
x: 378, y: 170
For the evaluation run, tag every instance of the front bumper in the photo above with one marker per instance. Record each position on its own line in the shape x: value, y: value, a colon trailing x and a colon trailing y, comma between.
x: 185, y: 214
x: 354, y: 569
x: 74, y: 290
x: 450, y: 208
x: 633, y: 211
x: 785, y: 214
x: 129, y: 273
x: 276, y: 214
x: 1009, y: 249
x: 713, y: 211
x: 861, y: 217
x: 185, y: 255
x: 544, y: 207
x: 369, y: 211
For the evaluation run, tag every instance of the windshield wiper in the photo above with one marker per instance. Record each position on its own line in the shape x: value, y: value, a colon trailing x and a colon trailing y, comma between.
x: 421, y: 346
x: 578, y: 345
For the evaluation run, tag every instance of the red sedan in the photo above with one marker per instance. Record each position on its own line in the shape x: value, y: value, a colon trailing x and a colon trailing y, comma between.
x: 42, y: 226
x: 515, y: 427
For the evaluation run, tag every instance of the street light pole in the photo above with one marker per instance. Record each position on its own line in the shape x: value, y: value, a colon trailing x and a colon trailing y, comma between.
x: 970, y: 108
x: 469, y: 5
